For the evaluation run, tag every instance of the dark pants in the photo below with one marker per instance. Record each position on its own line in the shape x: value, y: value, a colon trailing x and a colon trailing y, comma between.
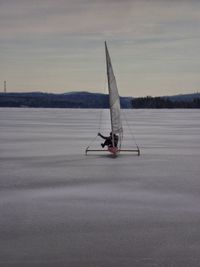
x: 107, y: 143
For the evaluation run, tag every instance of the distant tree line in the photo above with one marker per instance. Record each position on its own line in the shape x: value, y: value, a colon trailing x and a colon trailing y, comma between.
x: 71, y: 100
x: 94, y: 100
x: 35, y: 100
x: 164, y: 102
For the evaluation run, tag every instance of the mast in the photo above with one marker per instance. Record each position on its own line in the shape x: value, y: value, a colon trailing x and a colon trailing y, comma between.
x: 108, y: 78
x: 114, y: 100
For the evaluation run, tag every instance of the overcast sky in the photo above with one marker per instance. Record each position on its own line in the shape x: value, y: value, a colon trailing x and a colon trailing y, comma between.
x: 58, y: 46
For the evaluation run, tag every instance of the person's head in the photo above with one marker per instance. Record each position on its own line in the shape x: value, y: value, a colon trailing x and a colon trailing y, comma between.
x: 110, y: 133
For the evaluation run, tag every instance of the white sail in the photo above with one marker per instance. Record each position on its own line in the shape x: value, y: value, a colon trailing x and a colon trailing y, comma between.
x: 114, y: 100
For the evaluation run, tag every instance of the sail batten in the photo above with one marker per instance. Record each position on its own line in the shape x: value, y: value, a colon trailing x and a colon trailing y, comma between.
x: 114, y: 99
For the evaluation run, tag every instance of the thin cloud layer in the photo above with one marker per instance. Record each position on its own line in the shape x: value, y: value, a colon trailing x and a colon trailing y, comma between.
x: 143, y: 36
x: 92, y: 17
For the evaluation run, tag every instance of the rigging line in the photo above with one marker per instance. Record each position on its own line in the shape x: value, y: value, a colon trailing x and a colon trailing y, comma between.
x: 101, y: 112
x: 92, y: 141
x: 130, y: 130
x: 100, y: 120
x: 99, y: 129
x: 100, y: 117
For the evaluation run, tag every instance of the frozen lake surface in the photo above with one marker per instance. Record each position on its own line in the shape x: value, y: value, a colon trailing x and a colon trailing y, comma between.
x: 59, y: 207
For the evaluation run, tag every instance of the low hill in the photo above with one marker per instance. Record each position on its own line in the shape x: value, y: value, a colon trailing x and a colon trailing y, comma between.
x: 175, y: 101
x: 67, y: 100
x: 95, y: 100
x: 183, y: 97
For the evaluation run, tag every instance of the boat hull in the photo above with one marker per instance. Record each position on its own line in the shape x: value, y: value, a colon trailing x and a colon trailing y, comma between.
x: 113, y: 150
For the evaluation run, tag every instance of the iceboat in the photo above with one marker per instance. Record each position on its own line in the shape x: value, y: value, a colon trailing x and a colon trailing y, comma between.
x: 115, y: 114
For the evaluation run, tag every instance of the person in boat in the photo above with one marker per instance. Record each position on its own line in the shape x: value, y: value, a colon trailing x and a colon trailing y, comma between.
x: 108, y: 140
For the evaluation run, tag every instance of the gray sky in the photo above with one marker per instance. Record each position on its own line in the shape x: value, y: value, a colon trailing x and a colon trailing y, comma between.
x: 58, y: 46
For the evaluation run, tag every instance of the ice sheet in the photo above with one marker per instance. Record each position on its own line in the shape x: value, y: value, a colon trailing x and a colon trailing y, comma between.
x: 59, y: 207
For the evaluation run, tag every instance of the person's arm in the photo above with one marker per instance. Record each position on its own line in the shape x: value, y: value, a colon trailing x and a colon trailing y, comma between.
x: 99, y: 134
